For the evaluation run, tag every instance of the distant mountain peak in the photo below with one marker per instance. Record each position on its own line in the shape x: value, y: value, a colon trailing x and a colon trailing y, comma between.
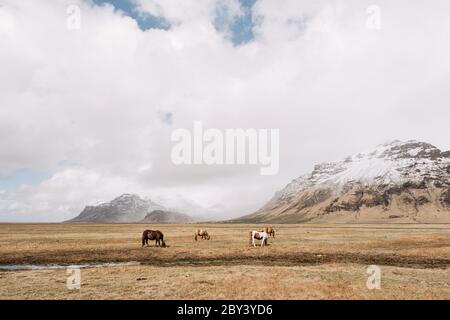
x: 397, y: 149
x: 129, y: 207
x: 126, y: 196
x: 124, y: 208
x: 387, y: 163
x: 131, y: 199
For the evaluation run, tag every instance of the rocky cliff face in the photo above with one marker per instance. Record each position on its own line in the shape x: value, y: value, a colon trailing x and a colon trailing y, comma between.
x: 395, y: 182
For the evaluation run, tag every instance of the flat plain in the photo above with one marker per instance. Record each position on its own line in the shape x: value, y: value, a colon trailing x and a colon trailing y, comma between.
x: 321, y: 261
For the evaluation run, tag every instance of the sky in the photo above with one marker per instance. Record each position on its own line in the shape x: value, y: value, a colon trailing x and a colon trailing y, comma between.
x: 87, y: 113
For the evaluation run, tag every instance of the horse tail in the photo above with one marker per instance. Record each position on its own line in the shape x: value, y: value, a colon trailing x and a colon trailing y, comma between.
x: 273, y: 232
x: 195, y: 237
x: 251, y: 234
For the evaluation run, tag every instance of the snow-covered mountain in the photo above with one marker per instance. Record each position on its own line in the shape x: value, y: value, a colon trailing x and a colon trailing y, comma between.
x: 125, y: 208
x: 395, y: 182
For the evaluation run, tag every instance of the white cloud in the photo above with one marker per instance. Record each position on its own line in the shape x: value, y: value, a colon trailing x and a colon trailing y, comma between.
x: 86, y: 105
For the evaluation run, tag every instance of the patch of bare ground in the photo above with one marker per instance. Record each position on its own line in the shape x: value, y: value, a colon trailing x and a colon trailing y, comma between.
x: 249, y: 258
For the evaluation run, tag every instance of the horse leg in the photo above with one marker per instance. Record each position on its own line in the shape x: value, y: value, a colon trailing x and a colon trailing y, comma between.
x: 263, y: 241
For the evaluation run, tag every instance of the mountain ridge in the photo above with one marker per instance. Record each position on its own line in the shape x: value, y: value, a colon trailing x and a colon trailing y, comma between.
x: 395, y: 182
x: 126, y: 208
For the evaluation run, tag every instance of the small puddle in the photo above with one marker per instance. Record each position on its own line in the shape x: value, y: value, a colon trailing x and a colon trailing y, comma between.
x: 19, y: 267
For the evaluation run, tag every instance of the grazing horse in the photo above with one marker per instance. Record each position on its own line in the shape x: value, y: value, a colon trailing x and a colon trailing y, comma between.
x: 157, y: 235
x: 259, y: 235
x: 201, y: 233
x: 270, y: 231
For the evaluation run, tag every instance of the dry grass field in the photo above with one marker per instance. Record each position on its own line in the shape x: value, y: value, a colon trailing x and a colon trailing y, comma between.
x: 301, y: 262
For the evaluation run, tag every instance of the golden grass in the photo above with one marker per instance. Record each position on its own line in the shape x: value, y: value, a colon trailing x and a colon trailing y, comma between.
x: 302, y: 262
x: 328, y: 281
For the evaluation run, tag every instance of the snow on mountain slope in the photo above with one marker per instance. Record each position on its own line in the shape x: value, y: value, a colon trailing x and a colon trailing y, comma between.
x: 125, y: 208
x: 403, y: 181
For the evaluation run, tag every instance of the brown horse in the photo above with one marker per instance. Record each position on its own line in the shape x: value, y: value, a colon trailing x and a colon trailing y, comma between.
x: 157, y: 235
x: 270, y: 231
x: 201, y: 233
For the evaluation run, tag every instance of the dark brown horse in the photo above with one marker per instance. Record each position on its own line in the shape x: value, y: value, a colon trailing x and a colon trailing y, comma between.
x: 157, y: 235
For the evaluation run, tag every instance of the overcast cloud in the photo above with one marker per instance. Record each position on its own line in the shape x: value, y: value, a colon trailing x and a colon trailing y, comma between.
x: 92, y: 110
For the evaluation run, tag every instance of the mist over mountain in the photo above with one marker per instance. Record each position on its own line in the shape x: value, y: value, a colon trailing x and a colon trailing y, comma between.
x: 165, y: 216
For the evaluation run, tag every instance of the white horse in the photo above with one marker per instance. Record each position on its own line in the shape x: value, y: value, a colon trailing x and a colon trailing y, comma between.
x: 259, y: 235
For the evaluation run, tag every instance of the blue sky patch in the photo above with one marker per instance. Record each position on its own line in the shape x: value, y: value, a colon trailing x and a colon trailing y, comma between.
x: 145, y: 21
x: 166, y: 117
x: 12, y: 181
x: 240, y: 28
